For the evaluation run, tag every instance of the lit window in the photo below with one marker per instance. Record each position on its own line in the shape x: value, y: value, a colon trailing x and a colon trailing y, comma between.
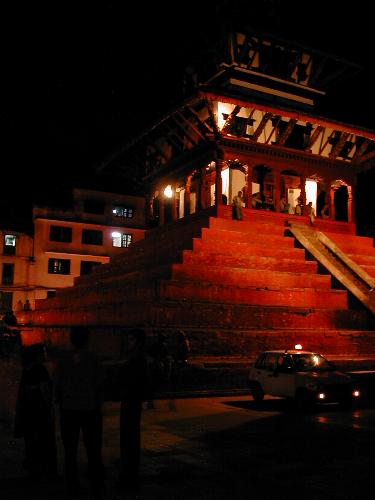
x: 58, y: 266
x: 122, y: 211
x: 9, y: 244
x: 121, y: 240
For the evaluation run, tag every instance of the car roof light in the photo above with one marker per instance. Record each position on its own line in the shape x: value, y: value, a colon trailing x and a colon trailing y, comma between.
x: 298, y: 347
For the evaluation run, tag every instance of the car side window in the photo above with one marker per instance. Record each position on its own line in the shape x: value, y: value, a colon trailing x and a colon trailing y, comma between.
x: 260, y: 362
x: 271, y: 362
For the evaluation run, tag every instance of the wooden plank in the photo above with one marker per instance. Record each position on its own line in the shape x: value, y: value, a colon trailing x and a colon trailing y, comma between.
x: 287, y: 132
x: 338, y: 147
x: 261, y: 126
x: 230, y: 118
x: 319, y: 129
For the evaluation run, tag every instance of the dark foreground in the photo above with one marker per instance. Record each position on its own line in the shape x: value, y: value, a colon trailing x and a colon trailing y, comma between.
x: 227, y: 448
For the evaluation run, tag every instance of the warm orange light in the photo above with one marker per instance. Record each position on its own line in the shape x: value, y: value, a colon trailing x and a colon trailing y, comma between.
x: 168, y: 193
x: 356, y: 394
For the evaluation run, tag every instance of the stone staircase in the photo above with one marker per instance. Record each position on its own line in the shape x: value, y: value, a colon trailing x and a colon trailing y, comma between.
x: 234, y: 287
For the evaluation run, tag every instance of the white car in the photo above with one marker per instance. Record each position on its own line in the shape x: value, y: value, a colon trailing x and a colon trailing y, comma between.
x: 304, y: 376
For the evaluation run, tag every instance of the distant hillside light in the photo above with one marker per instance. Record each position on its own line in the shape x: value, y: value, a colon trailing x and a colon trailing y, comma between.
x: 168, y: 193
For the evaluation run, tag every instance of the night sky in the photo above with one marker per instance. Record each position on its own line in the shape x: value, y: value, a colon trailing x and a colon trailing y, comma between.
x: 80, y: 78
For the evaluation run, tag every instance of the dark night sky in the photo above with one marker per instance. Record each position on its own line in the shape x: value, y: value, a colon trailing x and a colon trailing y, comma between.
x: 79, y: 78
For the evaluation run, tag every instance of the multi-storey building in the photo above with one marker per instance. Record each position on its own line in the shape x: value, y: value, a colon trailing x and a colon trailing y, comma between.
x: 16, y: 267
x: 67, y: 243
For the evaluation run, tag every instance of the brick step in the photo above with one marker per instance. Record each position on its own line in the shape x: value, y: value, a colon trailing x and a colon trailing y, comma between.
x: 255, y: 239
x: 249, y: 277
x: 361, y: 259
x: 204, y: 291
x: 194, y: 314
x: 352, y: 248
x: 251, y: 261
x: 248, y: 249
x: 246, y: 226
x: 143, y: 261
x: 359, y: 241
x: 369, y: 270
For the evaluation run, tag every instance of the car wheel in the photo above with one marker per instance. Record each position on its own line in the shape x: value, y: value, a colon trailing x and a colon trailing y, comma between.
x: 257, y: 393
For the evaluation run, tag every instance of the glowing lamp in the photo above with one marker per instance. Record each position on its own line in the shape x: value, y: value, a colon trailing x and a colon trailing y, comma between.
x: 298, y: 347
x: 168, y: 193
x: 321, y: 395
x: 356, y: 394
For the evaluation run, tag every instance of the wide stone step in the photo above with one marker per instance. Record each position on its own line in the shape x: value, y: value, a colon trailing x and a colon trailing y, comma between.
x: 193, y: 314
x: 211, y: 292
x: 249, y: 277
x: 358, y: 241
x: 370, y: 270
x: 250, y: 261
x: 255, y: 239
x: 248, y: 249
x: 246, y: 226
x: 362, y: 259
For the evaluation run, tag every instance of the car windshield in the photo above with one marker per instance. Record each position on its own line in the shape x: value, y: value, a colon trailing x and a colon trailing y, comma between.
x: 311, y: 362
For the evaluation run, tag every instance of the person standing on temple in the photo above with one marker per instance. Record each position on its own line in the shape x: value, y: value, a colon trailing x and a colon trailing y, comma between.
x: 237, y: 204
x: 310, y: 212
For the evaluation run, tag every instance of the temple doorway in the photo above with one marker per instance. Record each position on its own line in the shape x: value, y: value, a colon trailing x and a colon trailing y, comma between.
x: 341, y: 203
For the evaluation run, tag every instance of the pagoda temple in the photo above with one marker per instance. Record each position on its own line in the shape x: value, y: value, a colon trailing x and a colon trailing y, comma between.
x: 248, y: 123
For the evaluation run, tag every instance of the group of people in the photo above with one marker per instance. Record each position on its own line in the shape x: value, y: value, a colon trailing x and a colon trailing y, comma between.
x: 256, y: 202
x: 76, y: 389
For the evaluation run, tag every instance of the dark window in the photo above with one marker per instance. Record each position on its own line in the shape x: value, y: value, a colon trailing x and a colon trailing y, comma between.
x: 51, y: 294
x: 122, y: 211
x: 92, y: 237
x: 60, y: 233
x: 88, y: 265
x: 8, y: 274
x: 6, y: 301
x: 93, y: 207
x: 9, y: 244
x: 121, y: 240
x: 58, y: 266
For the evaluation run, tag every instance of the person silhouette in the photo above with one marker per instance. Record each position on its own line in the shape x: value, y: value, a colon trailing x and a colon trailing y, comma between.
x: 135, y: 390
x: 34, y: 418
x: 78, y: 389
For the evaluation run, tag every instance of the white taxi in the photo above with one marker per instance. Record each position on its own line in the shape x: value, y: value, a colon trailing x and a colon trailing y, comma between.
x: 305, y: 376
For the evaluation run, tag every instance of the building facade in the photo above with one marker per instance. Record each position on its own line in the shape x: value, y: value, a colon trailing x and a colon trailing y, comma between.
x: 67, y: 243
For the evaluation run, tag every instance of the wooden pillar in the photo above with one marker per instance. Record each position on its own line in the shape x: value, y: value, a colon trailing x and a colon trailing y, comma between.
x: 332, y: 202
x: 218, y: 183
x: 350, y: 204
x: 187, y: 195
x: 303, y: 193
x: 249, y: 186
x: 277, y: 177
x: 202, y: 199
x: 174, y: 203
x: 161, y: 206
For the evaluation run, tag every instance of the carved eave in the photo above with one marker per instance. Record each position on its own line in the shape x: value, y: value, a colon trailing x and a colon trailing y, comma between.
x: 213, y: 119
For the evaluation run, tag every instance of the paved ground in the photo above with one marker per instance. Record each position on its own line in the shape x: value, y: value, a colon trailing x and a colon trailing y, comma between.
x: 226, y: 448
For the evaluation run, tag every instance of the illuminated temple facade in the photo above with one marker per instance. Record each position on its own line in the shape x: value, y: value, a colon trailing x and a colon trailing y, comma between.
x: 234, y: 286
